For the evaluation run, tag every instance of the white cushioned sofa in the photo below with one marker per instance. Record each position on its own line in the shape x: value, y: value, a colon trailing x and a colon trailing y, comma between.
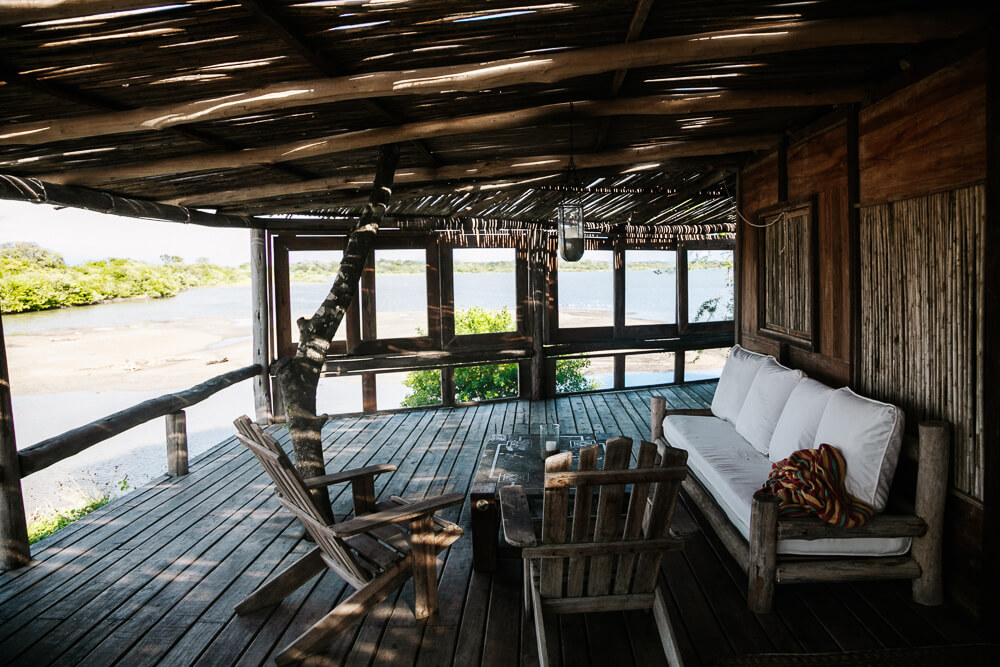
x: 761, y: 413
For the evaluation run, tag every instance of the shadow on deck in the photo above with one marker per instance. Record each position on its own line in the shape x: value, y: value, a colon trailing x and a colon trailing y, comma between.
x: 153, y: 578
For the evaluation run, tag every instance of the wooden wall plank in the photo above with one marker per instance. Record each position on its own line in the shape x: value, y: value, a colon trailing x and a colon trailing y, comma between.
x: 928, y: 137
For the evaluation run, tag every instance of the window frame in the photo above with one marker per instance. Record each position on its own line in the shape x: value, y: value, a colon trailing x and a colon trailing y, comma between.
x: 521, y: 334
x: 783, y: 331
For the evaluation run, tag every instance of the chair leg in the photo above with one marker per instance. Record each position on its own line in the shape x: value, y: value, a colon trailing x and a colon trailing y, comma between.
x: 345, y: 614
x: 536, y: 603
x: 424, y: 556
x: 284, y: 584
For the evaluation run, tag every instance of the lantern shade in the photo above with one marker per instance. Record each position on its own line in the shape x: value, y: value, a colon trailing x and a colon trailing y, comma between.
x: 571, y: 231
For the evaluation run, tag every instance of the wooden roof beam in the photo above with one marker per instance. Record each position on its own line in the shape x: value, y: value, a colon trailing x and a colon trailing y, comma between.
x: 634, y: 30
x: 338, y: 143
x: 20, y: 12
x: 543, y: 68
x: 89, y: 99
x: 35, y: 191
x: 538, y: 164
x: 269, y: 16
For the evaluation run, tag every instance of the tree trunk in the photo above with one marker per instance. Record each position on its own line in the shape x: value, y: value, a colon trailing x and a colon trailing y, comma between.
x: 298, y: 376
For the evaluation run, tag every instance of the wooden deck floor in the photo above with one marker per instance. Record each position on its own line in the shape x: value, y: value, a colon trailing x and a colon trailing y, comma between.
x: 153, y: 578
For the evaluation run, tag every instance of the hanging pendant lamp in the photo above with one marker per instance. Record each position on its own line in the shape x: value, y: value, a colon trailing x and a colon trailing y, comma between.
x: 570, y: 209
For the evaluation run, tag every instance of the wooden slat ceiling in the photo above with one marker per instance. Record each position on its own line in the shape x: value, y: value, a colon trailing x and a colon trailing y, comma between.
x: 748, y: 71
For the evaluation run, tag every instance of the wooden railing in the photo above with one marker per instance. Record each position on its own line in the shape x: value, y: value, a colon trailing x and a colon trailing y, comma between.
x: 14, y: 550
x: 47, y: 452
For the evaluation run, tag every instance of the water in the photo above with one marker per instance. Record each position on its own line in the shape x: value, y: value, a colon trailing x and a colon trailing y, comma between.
x: 654, y: 299
x: 139, y: 454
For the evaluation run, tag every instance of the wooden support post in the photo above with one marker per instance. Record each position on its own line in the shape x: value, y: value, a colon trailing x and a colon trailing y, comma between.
x: 763, y: 552
x: 369, y: 399
x: 177, y: 444
x: 619, y: 371
x: 682, y: 290
x: 657, y: 410
x: 932, y: 490
x: 14, y: 550
x: 538, y: 383
x: 261, y: 318
x: 447, y: 387
x: 679, y: 366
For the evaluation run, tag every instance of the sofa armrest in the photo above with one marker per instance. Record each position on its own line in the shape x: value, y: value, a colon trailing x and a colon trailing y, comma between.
x: 658, y: 410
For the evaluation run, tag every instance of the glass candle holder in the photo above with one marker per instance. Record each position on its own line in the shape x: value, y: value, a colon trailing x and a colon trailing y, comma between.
x: 549, y: 440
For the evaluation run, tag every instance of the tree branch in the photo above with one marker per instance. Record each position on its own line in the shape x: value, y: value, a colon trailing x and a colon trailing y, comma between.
x: 298, y: 376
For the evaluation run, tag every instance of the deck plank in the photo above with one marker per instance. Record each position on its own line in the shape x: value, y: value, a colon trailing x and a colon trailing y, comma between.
x: 153, y: 578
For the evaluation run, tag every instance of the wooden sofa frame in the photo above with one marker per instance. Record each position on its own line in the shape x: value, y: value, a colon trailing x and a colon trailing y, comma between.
x: 765, y: 567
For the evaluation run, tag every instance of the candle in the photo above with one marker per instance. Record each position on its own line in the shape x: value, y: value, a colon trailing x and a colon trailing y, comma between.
x: 551, y: 445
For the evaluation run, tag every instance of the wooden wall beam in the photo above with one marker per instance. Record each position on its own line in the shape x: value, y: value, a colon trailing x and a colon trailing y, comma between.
x: 990, y: 591
x: 456, y: 174
x: 546, y: 68
x: 38, y: 192
x: 348, y: 141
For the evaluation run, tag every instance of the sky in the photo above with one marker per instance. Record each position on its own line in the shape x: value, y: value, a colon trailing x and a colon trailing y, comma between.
x: 80, y: 236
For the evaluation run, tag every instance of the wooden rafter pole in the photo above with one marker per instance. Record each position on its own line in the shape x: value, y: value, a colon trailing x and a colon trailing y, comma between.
x: 298, y: 376
x: 347, y: 141
x: 547, y: 68
x: 456, y: 174
x: 36, y: 191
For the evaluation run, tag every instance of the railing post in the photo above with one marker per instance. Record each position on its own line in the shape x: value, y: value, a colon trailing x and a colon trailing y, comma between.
x: 14, y: 550
x: 258, y: 282
x: 177, y: 444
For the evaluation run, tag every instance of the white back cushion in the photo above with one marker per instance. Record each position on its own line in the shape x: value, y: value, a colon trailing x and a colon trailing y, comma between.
x: 764, y: 403
x: 737, y: 376
x: 796, y: 427
x: 869, y: 434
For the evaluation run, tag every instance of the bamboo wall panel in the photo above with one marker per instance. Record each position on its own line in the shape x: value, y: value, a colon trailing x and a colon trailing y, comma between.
x: 921, y: 316
x: 928, y: 137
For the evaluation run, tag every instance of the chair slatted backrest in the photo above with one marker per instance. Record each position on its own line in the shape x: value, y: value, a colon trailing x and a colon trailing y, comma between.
x: 633, y: 535
x: 295, y: 496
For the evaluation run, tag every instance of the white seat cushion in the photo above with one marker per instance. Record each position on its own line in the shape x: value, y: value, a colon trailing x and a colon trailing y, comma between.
x: 796, y: 427
x: 764, y: 403
x: 731, y: 470
x: 726, y: 464
x: 869, y: 434
x: 737, y: 376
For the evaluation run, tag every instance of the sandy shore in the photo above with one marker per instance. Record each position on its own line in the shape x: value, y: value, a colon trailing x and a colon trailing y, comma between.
x: 181, y: 353
x: 138, y: 357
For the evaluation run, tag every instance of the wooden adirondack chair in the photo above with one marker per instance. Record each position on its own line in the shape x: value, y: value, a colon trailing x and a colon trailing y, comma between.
x: 375, y: 552
x: 608, y: 561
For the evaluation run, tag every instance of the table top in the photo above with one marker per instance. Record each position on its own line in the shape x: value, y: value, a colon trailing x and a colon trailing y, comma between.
x: 517, y: 459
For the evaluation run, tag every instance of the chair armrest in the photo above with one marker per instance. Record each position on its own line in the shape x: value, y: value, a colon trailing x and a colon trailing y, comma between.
x: 691, y: 412
x: 395, y: 515
x: 516, y: 517
x: 348, y: 475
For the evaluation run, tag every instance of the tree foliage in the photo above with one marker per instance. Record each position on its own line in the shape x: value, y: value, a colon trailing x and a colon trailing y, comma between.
x: 33, y: 278
x: 477, y: 383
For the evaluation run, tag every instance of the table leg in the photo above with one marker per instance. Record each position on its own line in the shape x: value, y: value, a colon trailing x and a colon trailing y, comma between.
x: 485, y: 526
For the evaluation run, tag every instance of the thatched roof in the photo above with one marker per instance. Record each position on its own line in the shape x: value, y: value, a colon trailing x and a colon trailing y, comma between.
x: 258, y: 107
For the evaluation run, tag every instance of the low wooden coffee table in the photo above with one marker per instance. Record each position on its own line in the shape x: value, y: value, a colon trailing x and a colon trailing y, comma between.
x: 510, y: 459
